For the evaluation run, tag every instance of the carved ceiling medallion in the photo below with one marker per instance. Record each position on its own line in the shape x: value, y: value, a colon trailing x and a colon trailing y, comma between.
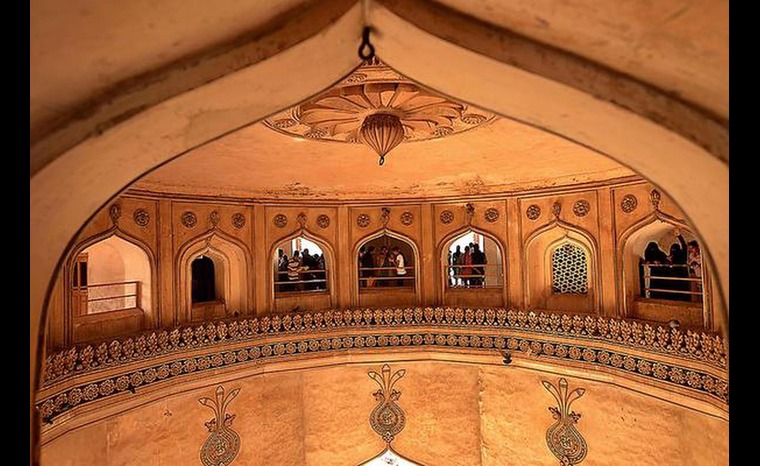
x: 371, y: 93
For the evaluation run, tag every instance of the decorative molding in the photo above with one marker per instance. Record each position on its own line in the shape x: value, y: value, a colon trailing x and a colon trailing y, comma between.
x: 581, y: 208
x: 469, y: 212
x: 141, y: 217
x: 223, y: 443
x: 556, y: 209
x: 629, y: 203
x: 446, y: 217
x: 385, y: 216
x: 214, y: 218
x: 323, y: 221
x: 563, y: 439
x: 654, y: 198
x: 689, y: 362
x: 407, y: 218
x: 363, y: 220
x: 533, y: 212
x: 301, y: 219
x: 491, y: 215
x: 238, y: 220
x: 387, y: 419
x: 189, y: 219
x: 115, y: 213
x: 280, y: 220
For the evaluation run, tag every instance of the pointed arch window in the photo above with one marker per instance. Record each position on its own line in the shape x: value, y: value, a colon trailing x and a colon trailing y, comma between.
x: 203, y: 276
x: 300, y: 266
x: 473, y: 260
x: 386, y: 262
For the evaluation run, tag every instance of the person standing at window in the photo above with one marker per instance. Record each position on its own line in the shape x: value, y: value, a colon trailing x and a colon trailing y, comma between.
x: 466, y: 269
x: 294, y: 271
x: 679, y: 270
x: 398, y: 258
x: 456, y: 259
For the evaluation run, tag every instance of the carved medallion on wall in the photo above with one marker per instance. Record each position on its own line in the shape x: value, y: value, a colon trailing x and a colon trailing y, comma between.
x: 214, y: 218
x: 189, y: 219
x: 280, y: 220
x: 301, y: 219
x: 115, y: 213
x: 581, y: 208
x: 446, y: 217
x: 556, y: 209
x: 223, y: 443
x: 363, y: 220
x: 385, y: 216
x: 238, y: 220
x: 141, y: 217
x: 654, y: 198
x: 407, y: 218
x: 629, y: 203
x: 387, y: 419
x: 533, y: 212
x: 323, y: 221
x: 562, y: 438
x: 491, y: 215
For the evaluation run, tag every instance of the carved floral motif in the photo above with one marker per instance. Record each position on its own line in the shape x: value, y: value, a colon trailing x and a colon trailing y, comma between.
x: 581, y: 208
x: 363, y: 220
x: 387, y: 419
x: 238, y: 220
x: 563, y: 439
x: 280, y: 220
x: 446, y: 217
x: 189, y: 219
x: 223, y: 443
x: 141, y: 217
x: 407, y: 218
x: 323, y: 221
x: 629, y: 203
x: 491, y: 215
x: 533, y: 212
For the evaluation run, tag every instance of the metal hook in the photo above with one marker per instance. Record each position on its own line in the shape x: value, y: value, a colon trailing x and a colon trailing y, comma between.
x: 382, y: 160
x: 366, y: 45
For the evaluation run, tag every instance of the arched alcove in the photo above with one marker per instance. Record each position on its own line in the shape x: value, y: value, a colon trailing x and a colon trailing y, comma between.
x: 382, y: 284
x: 231, y: 272
x: 306, y: 284
x: 694, y: 310
x: 483, y: 284
x: 109, y: 285
x: 539, y: 250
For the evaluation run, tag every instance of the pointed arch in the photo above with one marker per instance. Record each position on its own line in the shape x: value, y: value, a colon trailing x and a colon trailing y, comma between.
x: 401, y: 296
x: 537, y: 265
x: 149, y: 291
x: 653, y: 227
x: 279, y: 304
x: 479, y: 299
x: 232, y: 264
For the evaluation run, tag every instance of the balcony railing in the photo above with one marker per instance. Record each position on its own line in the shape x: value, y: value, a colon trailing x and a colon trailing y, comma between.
x: 302, y: 280
x: 670, y: 281
x: 106, y: 297
x: 473, y: 275
x: 382, y: 277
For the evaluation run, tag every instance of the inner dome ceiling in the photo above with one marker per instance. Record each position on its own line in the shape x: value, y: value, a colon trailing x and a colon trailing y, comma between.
x: 501, y: 156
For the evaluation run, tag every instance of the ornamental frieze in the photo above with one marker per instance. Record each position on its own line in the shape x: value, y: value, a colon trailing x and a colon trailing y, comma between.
x: 669, y: 355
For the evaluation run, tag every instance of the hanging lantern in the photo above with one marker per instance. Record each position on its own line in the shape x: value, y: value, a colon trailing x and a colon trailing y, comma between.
x: 382, y: 132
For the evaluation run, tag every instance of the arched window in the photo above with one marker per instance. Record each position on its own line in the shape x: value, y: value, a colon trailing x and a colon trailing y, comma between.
x: 386, y: 262
x: 110, y: 275
x: 203, y: 276
x: 674, y: 274
x: 569, y: 270
x: 300, y: 266
x: 473, y: 261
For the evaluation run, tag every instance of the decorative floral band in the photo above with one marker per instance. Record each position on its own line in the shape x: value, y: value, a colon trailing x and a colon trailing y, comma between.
x: 589, y: 343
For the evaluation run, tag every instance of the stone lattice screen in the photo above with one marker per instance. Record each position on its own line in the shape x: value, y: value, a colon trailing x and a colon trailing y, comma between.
x: 569, y: 270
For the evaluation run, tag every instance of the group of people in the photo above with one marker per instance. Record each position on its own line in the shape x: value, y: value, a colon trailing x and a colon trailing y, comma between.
x: 301, y: 271
x: 467, y: 269
x: 377, y: 267
x: 676, y: 275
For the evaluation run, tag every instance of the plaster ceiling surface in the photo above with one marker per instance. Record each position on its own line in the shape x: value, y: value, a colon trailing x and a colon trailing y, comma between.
x: 677, y: 45
x: 79, y: 48
x: 501, y: 156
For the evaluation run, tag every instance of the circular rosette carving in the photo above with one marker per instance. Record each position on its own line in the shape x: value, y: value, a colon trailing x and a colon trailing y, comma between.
x: 220, y: 448
x: 363, y: 220
x: 280, y: 220
x: 629, y: 203
x: 189, y: 219
x: 238, y: 220
x: 533, y: 212
x: 141, y: 217
x: 447, y: 217
x: 323, y: 221
x: 566, y: 443
x: 581, y: 208
x: 491, y: 215
x: 388, y: 420
x: 407, y: 218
